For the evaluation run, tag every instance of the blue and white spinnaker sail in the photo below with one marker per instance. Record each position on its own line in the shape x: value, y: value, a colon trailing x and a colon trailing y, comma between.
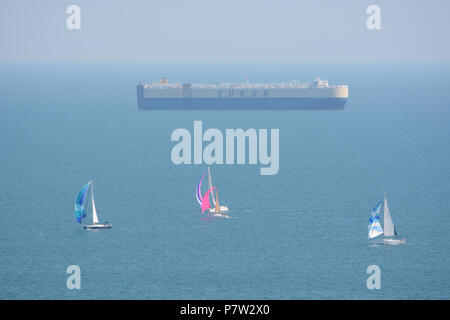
x: 80, y: 208
x: 374, y: 222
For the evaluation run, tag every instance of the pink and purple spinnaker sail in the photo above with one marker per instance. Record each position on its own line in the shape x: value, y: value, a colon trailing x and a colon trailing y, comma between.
x: 203, y: 201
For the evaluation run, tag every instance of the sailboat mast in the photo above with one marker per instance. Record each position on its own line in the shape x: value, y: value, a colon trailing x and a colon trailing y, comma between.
x: 210, y: 186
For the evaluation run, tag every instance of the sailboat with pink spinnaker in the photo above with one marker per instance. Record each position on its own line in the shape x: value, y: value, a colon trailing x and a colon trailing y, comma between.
x: 203, y: 200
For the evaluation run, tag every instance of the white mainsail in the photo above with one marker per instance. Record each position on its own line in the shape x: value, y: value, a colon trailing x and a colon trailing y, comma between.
x: 94, y: 211
x: 389, y: 229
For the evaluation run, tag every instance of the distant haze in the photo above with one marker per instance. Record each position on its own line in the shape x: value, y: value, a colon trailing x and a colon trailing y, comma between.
x: 233, y: 30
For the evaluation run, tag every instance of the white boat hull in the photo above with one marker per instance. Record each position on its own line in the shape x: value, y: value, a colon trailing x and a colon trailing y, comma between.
x: 394, y: 241
x: 219, y: 215
x: 389, y: 241
x: 97, y: 226
x: 221, y: 209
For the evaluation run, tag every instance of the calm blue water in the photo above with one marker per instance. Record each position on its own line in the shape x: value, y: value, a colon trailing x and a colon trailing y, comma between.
x: 299, y: 234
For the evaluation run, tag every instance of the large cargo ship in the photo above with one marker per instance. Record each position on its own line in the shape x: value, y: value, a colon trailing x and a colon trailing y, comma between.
x: 292, y: 95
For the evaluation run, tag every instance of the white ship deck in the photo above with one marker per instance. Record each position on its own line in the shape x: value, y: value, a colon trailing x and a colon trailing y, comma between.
x: 232, y: 90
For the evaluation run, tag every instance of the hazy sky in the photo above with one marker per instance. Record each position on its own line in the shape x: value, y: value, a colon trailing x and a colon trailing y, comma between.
x: 232, y: 30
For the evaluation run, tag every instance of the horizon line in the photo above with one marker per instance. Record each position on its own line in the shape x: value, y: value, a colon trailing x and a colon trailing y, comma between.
x: 226, y: 61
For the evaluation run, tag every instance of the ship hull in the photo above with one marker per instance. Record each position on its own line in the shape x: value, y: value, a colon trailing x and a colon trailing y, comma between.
x: 241, y: 103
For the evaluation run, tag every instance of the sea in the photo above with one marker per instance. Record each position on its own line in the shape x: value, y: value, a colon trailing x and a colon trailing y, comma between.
x: 299, y: 234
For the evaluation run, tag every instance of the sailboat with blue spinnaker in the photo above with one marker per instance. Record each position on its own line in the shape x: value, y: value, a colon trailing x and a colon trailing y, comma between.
x: 390, y: 235
x: 81, y: 205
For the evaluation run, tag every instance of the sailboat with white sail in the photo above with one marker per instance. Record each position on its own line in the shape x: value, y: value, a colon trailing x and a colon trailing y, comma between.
x: 390, y: 235
x: 81, y: 205
x: 203, y: 200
